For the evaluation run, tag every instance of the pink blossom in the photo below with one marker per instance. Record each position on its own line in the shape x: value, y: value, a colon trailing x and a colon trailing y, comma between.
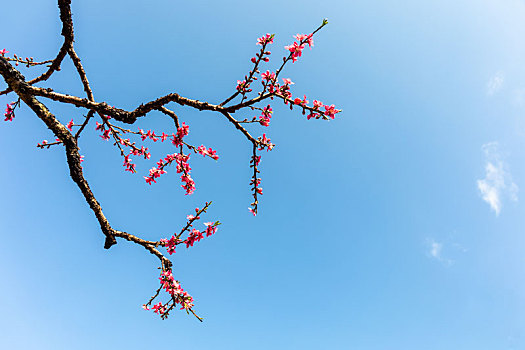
x: 195, y: 236
x: 70, y: 125
x: 210, y: 228
x: 170, y: 244
x: 265, y: 39
x: 296, y: 50
x: 207, y: 152
x: 3, y: 52
x: 155, y: 173
x: 305, y: 38
x: 287, y: 81
x: 105, y: 134
x: 300, y: 102
x: 284, y: 91
x: 264, y: 121
x: 317, y: 104
x: 158, y: 308
x: 182, y: 131
x: 268, y: 76
x: 264, y: 142
x: 129, y: 166
x: 189, y: 184
x: 331, y: 111
x: 212, y: 154
x: 243, y: 86
x: 9, y: 113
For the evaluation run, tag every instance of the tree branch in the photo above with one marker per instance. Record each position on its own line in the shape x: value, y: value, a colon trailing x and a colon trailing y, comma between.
x: 67, y: 33
x: 17, y: 83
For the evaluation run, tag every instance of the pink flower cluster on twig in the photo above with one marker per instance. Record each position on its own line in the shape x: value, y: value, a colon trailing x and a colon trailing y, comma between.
x: 9, y: 112
x: 296, y: 48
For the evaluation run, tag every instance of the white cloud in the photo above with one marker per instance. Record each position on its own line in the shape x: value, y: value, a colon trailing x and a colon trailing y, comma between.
x: 498, y: 181
x: 434, y: 251
x: 495, y: 83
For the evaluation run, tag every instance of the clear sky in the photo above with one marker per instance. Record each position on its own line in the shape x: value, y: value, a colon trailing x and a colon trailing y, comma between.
x: 398, y: 225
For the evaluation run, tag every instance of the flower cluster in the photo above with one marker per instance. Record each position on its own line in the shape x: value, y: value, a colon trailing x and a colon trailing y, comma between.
x: 10, y: 112
x: 194, y: 234
x: 296, y: 48
x: 265, y: 39
x: 262, y: 55
x: 207, y: 152
x: 266, y: 115
x: 255, y: 182
x: 243, y: 86
x: 264, y: 142
x: 315, y: 111
x: 105, y: 132
x: 151, y: 135
x: 177, y: 296
x: 182, y: 167
x: 182, y: 131
x: 211, y: 228
x: 283, y: 91
x: 168, y: 283
x: 270, y: 89
x: 170, y: 244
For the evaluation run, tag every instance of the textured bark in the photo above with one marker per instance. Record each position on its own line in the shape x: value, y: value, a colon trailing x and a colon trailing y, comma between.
x: 17, y: 83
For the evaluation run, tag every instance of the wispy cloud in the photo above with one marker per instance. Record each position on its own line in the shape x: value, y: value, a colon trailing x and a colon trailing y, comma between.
x: 498, y: 181
x: 434, y: 251
x: 495, y: 83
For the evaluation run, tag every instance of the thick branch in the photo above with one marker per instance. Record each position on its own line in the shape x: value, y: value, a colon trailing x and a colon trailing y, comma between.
x: 17, y: 83
x: 120, y: 114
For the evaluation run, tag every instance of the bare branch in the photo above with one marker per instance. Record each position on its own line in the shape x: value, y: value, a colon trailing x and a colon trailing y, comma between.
x: 67, y: 33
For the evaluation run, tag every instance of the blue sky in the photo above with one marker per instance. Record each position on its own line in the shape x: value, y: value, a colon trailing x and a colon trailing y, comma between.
x: 396, y: 226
